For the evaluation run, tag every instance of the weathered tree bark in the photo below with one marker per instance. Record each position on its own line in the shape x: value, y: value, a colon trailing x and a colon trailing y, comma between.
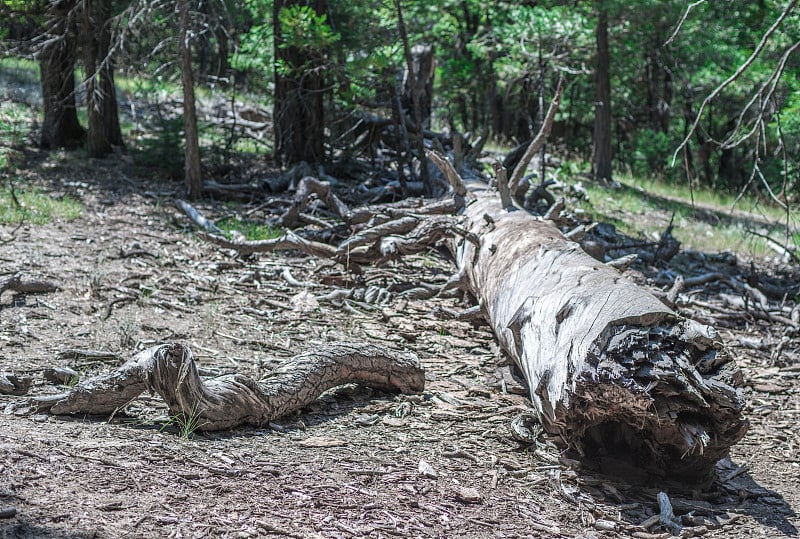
x: 612, y: 372
x: 101, y: 96
x: 299, y: 95
x: 229, y: 401
x: 60, y: 128
x: 601, y: 152
x: 192, y: 175
x: 420, y: 73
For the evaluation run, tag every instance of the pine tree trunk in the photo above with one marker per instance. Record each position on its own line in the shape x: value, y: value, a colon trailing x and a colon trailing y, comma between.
x: 101, y: 98
x: 192, y: 174
x: 601, y: 154
x: 299, y: 96
x: 60, y: 127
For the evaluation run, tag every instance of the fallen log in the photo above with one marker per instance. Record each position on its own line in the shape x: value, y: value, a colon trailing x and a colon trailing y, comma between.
x: 614, y: 375
x: 229, y: 401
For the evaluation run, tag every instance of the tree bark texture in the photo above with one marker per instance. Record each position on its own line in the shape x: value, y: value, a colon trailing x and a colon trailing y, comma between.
x: 613, y: 373
x: 101, y: 96
x: 601, y: 153
x: 423, y: 67
x: 60, y: 127
x: 228, y: 401
x: 299, y: 95
x: 192, y: 174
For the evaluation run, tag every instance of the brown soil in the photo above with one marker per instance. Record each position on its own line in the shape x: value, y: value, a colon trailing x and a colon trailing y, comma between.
x: 131, y: 274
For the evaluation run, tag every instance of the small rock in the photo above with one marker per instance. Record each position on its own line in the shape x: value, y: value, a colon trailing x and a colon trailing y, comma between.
x: 8, y: 511
x: 427, y: 470
x: 468, y: 495
x: 605, y: 525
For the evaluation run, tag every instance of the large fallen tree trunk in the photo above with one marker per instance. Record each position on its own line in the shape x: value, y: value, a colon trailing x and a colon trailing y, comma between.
x: 613, y: 373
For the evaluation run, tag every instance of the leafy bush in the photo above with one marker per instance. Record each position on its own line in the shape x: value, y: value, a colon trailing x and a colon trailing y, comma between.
x: 649, y: 152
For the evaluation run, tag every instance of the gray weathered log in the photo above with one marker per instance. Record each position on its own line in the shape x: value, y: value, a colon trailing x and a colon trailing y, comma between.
x: 613, y: 373
x: 233, y: 400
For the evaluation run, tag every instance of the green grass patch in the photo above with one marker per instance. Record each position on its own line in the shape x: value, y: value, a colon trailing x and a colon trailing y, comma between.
x: 23, y: 64
x: 253, y: 230
x: 643, y: 208
x: 720, y: 200
x: 36, y: 207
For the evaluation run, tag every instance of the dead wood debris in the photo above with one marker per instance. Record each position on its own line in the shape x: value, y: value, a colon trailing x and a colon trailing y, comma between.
x: 11, y: 384
x: 229, y: 401
x: 16, y: 283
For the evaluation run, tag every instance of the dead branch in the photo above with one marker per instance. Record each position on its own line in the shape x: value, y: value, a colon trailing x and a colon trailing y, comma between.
x: 456, y: 184
x: 305, y: 188
x: 230, y: 401
x: 289, y: 240
x: 501, y: 180
x: 538, y: 141
x: 197, y: 218
x: 741, y: 69
x: 678, y: 27
x: 17, y: 284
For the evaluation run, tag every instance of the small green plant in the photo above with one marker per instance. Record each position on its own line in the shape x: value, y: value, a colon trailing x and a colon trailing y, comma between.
x: 163, y: 146
x: 253, y: 230
x: 186, y: 423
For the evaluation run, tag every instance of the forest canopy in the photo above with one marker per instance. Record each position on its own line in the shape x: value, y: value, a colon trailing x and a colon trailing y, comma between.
x: 326, y: 69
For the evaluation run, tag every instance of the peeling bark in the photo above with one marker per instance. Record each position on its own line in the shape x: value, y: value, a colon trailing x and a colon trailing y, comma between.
x: 229, y: 401
x: 613, y: 373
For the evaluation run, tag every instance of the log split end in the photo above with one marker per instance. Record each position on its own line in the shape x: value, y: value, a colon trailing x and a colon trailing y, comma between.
x: 654, y: 402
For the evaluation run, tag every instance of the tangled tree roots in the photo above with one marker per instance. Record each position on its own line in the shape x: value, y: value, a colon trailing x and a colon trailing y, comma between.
x: 233, y: 400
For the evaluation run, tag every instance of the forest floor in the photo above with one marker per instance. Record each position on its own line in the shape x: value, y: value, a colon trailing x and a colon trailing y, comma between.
x: 131, y: 273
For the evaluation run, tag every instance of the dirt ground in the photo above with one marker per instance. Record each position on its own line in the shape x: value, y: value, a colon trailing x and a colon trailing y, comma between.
x: 357, y: 463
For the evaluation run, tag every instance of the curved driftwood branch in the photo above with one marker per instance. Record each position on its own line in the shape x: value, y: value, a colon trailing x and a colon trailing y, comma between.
x: 233, y: 400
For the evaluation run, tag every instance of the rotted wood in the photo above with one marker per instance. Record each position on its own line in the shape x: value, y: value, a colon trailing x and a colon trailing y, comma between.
x: 613, y: 373
x: 229, y: 401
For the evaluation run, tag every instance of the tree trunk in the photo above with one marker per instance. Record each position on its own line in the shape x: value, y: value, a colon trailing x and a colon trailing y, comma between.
x: 614, y: 375
x: 192, y: 175
x: 60, y: 127
x: 424, y: 69
x: 415, y: 88
x: 601, y: 155
x: 101, y: 98
x: 299, y: 96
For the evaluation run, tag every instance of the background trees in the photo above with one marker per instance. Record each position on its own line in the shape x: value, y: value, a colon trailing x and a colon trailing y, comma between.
x: 633, y: 88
